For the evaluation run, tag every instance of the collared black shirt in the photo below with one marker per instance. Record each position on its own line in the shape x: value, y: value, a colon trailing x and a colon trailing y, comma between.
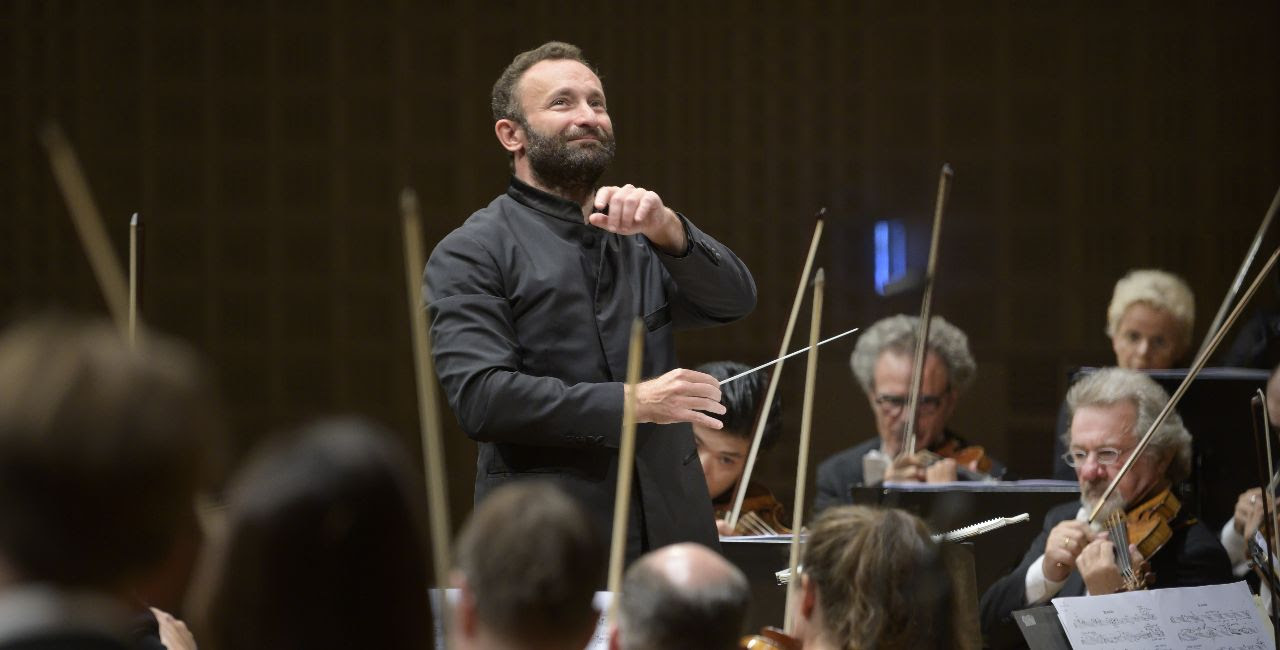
x: 530, y: 315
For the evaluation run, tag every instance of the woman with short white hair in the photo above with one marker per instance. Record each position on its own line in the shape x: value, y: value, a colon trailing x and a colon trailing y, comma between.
x: 1150, y: 320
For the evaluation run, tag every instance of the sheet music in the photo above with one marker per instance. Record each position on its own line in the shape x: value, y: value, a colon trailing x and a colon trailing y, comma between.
x: 1216, y: 617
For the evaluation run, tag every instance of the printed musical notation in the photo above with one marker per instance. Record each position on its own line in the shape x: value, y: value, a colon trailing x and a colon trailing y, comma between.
x: 1219, y: 617
x: 1206, y: 632
x: 1151, y: 632
x: 1140, y: 615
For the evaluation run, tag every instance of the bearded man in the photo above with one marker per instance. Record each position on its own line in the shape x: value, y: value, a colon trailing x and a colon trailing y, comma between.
x: 1111, y: 410
x: 532, y: 300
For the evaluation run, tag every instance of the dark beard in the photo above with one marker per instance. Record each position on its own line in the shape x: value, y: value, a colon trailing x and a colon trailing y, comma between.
x: 569, y: 171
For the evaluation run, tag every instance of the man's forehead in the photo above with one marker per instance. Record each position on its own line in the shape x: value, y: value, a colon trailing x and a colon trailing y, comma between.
x: 1112, y: 423
x: 552, y: 74
x: 894, y: 363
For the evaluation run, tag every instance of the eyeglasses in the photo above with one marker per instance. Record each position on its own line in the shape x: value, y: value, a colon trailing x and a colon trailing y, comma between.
x: 1103, y: 456
x: 893, y: 405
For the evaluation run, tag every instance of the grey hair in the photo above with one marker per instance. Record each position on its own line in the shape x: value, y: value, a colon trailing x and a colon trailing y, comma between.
x: 1117, y: 385
x: 898, y: 334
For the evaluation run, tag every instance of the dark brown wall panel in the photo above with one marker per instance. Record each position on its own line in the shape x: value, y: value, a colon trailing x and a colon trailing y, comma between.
x: 265, y: 144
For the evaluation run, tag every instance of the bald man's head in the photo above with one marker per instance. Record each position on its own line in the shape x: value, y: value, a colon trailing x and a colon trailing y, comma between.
x: 682, y: 596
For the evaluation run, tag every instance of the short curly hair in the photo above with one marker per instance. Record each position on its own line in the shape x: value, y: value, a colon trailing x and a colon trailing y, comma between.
x: 898, y: 334
x: 505, y: 101
x: 1159, y: 289
x: 1118, y: 385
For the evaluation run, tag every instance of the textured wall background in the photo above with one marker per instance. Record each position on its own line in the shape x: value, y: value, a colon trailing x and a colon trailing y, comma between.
x: 265, y: 144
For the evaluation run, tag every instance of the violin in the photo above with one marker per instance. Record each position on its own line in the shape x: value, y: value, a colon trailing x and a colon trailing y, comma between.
x: 762, y: 513
x: 1146, y: 527
x: 769, y: 638
x: 964, y: 456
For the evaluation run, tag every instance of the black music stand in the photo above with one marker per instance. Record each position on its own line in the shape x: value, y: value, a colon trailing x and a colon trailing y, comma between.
x: 948, y: 506
x: 760, y: 559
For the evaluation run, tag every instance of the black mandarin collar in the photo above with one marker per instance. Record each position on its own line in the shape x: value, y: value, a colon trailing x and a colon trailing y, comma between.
x: 548, y: 204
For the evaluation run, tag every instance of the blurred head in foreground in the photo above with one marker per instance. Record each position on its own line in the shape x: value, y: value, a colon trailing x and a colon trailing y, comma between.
x: 324, y: 547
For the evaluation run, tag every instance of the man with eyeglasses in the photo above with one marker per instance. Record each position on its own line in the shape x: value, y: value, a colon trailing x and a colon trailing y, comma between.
x: 1110, y: 411
x: 882, y: 361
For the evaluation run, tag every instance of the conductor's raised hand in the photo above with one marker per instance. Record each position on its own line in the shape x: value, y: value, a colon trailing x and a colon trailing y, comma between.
x: 679, y: 396
x: 630, y: 210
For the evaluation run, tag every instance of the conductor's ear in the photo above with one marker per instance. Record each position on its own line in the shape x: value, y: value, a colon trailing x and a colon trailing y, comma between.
x: 510, y: 135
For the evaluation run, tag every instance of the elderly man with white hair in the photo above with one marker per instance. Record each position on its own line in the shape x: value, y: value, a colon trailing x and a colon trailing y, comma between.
x: 883, y: 362
x: 1110, y: 410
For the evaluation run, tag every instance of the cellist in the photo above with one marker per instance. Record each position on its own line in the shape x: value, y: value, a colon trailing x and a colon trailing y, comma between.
x: 1110, y: 410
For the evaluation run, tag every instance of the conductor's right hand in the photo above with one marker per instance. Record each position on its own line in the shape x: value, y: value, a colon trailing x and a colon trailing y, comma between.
x: 679, y: 396
x: 1063, y: 548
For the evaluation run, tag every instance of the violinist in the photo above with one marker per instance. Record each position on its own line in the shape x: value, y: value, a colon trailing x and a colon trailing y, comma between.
x: 882, y: 363
x: 723, y: 452
x: 872, y: 578
x: 1248, y: 511
x: 1110, y: 410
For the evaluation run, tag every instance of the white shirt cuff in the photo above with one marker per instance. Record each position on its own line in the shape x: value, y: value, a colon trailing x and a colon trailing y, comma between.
x: 1039, y: 588
x: 1235, y: 545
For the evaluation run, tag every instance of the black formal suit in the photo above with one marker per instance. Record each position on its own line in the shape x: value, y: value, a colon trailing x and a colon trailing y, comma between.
x: 531, y: 313
x: 839, y: 473
x: 1192, y: 557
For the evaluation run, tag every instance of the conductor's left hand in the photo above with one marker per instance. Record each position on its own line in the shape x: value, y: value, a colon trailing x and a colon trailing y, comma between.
x: 635, y: 210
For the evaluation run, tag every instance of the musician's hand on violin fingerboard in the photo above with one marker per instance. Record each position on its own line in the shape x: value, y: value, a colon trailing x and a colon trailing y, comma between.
x: 1098, y: 567
x: 943, y: 471
x: 1063, y: 546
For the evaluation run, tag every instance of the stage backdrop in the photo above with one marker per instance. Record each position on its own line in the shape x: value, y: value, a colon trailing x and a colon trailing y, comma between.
x: 265, y: 145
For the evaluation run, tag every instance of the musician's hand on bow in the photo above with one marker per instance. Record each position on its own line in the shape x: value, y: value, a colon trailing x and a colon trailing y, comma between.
x: 679, y: 396
x: 943, y: 471
x: 174, y: 634
x: 1063, y: 547
x: 905, y: 469
x: 633, y: 210
x: 723, y: 528
x: 1248, y: 515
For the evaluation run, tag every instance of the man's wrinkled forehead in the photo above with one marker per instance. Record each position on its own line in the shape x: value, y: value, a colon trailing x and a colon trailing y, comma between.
x: 550, y: 76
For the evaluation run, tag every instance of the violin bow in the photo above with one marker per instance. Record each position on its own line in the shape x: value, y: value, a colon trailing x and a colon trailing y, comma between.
x: 135, y: 276
x: 1195, y: 369
x: 763, y: 418
x: 802, y: 460
x: 1262, y: 445
x: 89, y: 225
x: 626, y: 466
x: 922, y: 337
x: 1240, y: 274
x: 428, y: 401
